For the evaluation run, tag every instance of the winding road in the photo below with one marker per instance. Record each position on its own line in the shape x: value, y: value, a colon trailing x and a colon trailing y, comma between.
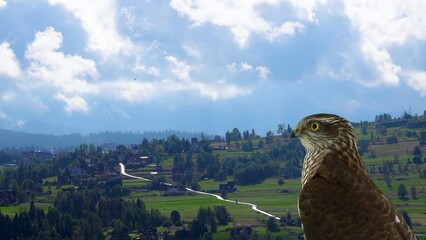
x: 253, y: 206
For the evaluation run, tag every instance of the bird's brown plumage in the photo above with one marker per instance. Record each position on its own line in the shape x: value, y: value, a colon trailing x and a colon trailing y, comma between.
x: 338, y: 200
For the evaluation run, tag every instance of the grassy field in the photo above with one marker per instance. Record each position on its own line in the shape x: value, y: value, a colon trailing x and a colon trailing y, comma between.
x: 24, y: 207
x: 266, y: 195
x: 269, y: 197
x: 401, y: 148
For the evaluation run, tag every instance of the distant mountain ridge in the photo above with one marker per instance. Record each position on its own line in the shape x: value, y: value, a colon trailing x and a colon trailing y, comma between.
x: 17, y: 139
x: 44, y: 127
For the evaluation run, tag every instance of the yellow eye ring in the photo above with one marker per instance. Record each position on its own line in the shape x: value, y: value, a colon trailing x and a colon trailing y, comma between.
x: 314, y: 126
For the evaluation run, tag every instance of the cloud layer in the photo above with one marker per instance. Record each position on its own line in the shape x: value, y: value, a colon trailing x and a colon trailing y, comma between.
x: 221, y: 56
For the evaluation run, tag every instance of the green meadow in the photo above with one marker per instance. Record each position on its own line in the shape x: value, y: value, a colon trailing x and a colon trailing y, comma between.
x: 270, y: 197
x: 24, y: 207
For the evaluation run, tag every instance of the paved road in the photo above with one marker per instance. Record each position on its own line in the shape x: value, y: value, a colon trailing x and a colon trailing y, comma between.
x: 253, y: 206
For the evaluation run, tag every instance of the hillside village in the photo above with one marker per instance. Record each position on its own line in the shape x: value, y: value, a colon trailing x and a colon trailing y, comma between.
x: 80, y: 192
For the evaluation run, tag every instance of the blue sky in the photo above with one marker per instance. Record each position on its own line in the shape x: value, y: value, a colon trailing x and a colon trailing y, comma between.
x: 198, y: 65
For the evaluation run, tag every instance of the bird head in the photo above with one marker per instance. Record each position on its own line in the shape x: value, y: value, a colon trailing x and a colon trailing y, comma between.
x: 322, y: 131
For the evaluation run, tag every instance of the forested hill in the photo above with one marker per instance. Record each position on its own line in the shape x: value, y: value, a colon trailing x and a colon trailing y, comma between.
x: 17, y: 139
x: 10, y: 138
x: 406, y: 121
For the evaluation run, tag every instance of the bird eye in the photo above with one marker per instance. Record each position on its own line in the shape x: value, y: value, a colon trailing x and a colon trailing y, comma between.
x: 314, y: 126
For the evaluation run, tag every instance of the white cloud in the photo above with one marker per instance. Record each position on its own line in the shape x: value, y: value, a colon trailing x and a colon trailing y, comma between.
x: 417, y: 80
x: 137, y: 91
x: 132, y: 91
x: 73, y: 104
x: 242, y: 67
x: 191, y: 51
x: 287, y: 28
x: 262, y: 71
x: 129, y: 14
x: 20, y: 123
x: 221, y: 91
x: 305, y: 9
x: 180, y: 69
x: 232, y: 67
x: 245, y: 67
x: 98, y: 20
x: 242, y: 18
x: 54, y: 68
x: 383, y: 62
x: 69, y: 73
x: 383, y: 24
x: 140, y: 68
x: 3, y: 3
x: 388, y: 22
x: 7, y: 121
x: 137, y: 23
x: 9, y: 65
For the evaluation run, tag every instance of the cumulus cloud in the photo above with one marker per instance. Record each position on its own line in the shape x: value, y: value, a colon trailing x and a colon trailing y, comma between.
x: 73, y: 104
x: 98, y: 20
x: 54, y: 68
x: 242, y: 18
x: 383, y: 24
x: 9, y: 65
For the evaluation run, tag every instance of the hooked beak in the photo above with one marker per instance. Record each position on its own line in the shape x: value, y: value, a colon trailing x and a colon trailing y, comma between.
x: 295, y: 133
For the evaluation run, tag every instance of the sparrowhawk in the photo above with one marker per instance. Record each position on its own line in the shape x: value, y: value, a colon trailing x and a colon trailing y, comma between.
x: 338, y: 200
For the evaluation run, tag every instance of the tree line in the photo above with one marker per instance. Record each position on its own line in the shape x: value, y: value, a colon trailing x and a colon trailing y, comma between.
x: 86, y: 213
x: 16, y: 139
